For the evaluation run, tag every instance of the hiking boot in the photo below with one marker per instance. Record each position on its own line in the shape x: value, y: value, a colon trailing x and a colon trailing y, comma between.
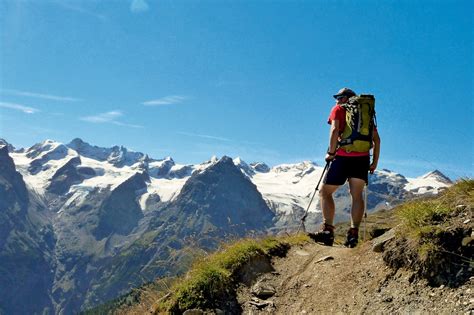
x: 325, y: 236
x: 352, y: 238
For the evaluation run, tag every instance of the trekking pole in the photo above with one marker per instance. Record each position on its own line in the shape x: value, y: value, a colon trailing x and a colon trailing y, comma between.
x: 303, y: 218
x: 365, y: 209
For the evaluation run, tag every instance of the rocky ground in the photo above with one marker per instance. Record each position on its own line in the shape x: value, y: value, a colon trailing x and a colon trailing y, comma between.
x: 316, y: 279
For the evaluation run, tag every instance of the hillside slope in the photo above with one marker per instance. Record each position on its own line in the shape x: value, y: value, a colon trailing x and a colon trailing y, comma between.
x: 419, y: 261
x: 315, y: 279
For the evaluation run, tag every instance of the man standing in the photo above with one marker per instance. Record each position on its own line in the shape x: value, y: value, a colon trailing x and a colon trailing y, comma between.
x: 349, y: 164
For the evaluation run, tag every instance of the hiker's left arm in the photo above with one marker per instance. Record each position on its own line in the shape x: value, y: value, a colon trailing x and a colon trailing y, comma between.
x: 333, y: 137
x: 376, y: 152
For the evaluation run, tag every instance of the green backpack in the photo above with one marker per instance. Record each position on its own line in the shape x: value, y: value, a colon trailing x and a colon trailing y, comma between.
x: 360, y: 122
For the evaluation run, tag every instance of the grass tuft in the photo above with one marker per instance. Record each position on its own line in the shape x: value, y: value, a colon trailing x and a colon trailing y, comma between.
x: 423, y: 217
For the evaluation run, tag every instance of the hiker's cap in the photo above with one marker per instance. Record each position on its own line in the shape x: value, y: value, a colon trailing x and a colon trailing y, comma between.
x: 344, y: 92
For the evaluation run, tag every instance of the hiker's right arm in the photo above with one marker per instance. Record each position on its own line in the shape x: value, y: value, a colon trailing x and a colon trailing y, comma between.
x: 333, y: 139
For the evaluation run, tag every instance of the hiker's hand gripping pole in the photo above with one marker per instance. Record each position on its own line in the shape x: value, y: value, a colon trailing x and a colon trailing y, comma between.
x: 303, y: 218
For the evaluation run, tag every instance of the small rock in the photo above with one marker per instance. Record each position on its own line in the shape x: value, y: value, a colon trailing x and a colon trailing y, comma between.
x: 388, y: 299
x: 432, y: 294
x: 307, y: 285
x: 301, y: 253
x: 467, y: 221
x: 441, y: 287
x: 379, y: 242
x: 325, y: 258
x: 466, y: 241
x: 263, y: 290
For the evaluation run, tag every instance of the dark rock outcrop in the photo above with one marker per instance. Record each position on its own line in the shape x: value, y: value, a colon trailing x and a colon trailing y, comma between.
x: 65, y: 177
x: 13, y: 192
x: 120, y: 212
x: 260, y: 167
x: 162, y: 170
x: 26, y: 241
x: 13, y: 196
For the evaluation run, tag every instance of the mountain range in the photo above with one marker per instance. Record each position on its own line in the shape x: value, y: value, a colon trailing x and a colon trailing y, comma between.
x: 81, y: 224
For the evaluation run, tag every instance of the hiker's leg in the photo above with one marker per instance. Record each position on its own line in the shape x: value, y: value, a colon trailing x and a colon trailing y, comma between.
x: 335, y: 177
x: 327, y: 202
x: 356, y: 186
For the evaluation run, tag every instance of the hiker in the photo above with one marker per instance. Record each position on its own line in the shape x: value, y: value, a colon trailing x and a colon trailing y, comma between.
x: 346, y: 164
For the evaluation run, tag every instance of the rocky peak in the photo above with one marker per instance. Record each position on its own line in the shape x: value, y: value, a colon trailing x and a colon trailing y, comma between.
x: 51, y: 148
x: 438, y: 176
x: 4, y: 142
x: 6, y: 162
x: 119, y: 156
x: 43, y: 152
x: 244, y: 167
x: 7, y: 166
x: 226, y: 197
x: 299, y: 169
x: 87, y: 150
x: 160, y: 169
x: 260, y: 167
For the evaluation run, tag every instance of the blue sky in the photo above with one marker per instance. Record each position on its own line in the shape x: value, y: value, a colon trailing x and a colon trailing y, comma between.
x: 192, y: 79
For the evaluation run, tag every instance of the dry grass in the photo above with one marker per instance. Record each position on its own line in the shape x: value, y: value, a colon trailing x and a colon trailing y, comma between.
x: 210, y: 278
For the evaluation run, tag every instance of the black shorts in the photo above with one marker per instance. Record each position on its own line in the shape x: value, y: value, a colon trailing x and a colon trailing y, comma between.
x: 344, y: 167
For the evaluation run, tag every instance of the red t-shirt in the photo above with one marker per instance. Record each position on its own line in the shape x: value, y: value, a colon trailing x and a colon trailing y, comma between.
x: 339, y: 113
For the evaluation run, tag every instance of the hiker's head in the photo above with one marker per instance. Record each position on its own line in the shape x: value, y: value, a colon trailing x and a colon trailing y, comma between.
x: 343, y: 95
x: 341, y: 99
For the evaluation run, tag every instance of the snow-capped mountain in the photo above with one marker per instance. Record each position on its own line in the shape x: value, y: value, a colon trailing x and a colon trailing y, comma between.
x: 106, y: 219
x: 117, y: 156
x: 431, y: 182
x: 96, y: 167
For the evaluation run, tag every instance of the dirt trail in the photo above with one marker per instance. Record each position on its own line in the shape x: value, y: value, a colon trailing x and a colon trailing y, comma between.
x: 316, y: 279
